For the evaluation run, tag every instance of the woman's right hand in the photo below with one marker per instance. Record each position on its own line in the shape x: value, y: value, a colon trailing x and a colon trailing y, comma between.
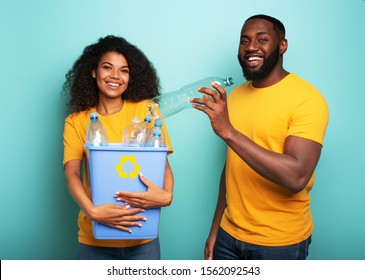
x: 116, y: 216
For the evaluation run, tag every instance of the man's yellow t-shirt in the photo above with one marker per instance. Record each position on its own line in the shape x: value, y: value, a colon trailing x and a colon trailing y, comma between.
x: 74, y: 140
x: 259, y: 211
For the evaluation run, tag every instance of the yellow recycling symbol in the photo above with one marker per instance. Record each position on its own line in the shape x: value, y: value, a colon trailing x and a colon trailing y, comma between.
x: 133, y: 161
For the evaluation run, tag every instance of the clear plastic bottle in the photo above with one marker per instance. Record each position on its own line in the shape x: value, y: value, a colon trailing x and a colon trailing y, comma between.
x: 157, y: 126
x: 155, y: 140
x: 146, y: 124
x: 95, y: 133
x: 173, y: 102
x: 133, y: 134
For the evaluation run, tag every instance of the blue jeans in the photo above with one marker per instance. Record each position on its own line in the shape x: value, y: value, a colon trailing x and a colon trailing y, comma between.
x: 146, y: 251
x: 228, y: 248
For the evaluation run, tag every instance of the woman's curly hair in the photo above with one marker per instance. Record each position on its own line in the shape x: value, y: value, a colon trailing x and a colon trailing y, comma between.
x: 82, y: 87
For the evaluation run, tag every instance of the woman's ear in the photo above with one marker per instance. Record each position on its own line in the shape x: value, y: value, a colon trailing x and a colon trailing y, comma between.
x: 93, y: 74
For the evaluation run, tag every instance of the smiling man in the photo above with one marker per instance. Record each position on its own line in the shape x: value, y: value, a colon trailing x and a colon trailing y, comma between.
x: 274, y: 125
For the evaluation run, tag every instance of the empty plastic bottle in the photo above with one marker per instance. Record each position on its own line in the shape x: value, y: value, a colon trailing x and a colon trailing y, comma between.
x: 156, y: 126
x: 146, y: 124
x: 133, y: 134
x: 95, y: 133
x: 173, y: 102
x: 155, y: 140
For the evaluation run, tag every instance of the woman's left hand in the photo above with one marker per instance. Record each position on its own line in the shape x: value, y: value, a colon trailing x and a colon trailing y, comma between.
x: 153, y: 197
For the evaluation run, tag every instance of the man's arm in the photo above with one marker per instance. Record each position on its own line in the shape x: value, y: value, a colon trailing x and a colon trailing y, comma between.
x: 221, y: 205
x: 292, y: 169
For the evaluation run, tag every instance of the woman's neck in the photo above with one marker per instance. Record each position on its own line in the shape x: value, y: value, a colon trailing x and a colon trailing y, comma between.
x: 106, y: 108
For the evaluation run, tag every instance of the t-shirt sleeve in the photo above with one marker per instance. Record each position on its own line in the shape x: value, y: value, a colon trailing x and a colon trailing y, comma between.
x: 73, y: 144
x: 310, y: 118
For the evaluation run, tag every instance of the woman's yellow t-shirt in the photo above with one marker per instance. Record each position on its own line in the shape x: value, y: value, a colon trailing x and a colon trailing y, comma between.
x: 74, y: 140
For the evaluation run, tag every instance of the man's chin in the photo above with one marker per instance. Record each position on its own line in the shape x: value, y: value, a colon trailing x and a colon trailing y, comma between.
x: 251, y: 75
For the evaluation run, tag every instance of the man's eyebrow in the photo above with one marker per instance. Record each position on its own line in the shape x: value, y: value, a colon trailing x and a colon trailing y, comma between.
x: 258, y: 33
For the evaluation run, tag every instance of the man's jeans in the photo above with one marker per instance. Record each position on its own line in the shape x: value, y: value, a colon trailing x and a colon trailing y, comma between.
x: 228, y: 248
x: 146, y: 251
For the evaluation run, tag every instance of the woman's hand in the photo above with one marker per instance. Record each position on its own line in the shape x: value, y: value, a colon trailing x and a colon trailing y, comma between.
x: 153, y: 197
x: 117, y: 216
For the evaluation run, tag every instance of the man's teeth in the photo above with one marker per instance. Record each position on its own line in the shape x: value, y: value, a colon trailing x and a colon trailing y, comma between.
x: 253, y: 58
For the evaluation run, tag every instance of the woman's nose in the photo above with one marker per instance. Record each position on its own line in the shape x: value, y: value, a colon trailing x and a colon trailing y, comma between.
x: 114, y: 74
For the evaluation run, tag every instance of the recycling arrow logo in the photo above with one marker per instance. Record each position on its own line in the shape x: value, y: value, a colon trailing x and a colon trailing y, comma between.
x: 128, y: 160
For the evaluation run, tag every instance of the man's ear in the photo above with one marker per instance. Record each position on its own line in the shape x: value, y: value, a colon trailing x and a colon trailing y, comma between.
x: 283, y: 46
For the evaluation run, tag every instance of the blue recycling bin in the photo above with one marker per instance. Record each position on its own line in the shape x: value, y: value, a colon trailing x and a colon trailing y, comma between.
x: 115, y: 167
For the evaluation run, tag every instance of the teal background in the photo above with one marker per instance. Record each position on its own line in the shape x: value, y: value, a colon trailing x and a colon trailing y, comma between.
x: 186, y: 40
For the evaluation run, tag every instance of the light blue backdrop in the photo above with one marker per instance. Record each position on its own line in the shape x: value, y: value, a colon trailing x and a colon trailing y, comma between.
x: 186, y: 40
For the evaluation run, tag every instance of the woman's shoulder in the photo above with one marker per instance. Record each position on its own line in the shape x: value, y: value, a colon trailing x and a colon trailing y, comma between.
x: 80, y: 116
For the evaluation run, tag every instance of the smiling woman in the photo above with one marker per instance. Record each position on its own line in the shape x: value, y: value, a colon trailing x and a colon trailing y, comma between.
x: 115, y: 79
x: 112, y: 78
x: 80, y: 80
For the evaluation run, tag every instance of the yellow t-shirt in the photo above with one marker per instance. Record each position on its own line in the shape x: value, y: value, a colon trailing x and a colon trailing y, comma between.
x: 259, y: 211
x: 74, y: 140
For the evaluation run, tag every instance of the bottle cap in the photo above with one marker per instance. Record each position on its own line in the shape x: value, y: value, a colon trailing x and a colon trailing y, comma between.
x: 148, y: 118
x: 158, y: 123
x: 157, y: 132
x: 229, y: 81
x: 93, y: 116
x: 135, y: 119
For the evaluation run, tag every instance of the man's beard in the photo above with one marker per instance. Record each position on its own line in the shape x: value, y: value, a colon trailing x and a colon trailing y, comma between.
x: 266, y: 68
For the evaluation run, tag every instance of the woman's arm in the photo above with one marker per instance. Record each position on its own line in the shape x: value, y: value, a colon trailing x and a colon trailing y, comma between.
x: 154, y: 196
x: 113, y: 215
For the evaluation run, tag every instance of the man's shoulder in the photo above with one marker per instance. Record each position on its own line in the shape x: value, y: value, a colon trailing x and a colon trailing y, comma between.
x: 295, y: 78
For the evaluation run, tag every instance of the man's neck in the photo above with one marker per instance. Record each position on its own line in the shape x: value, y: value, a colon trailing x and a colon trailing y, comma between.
x: 273, y: 78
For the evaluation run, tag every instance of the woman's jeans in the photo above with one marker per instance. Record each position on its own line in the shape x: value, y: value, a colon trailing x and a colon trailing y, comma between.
x: 146, y: 251
x: 228, y: 248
